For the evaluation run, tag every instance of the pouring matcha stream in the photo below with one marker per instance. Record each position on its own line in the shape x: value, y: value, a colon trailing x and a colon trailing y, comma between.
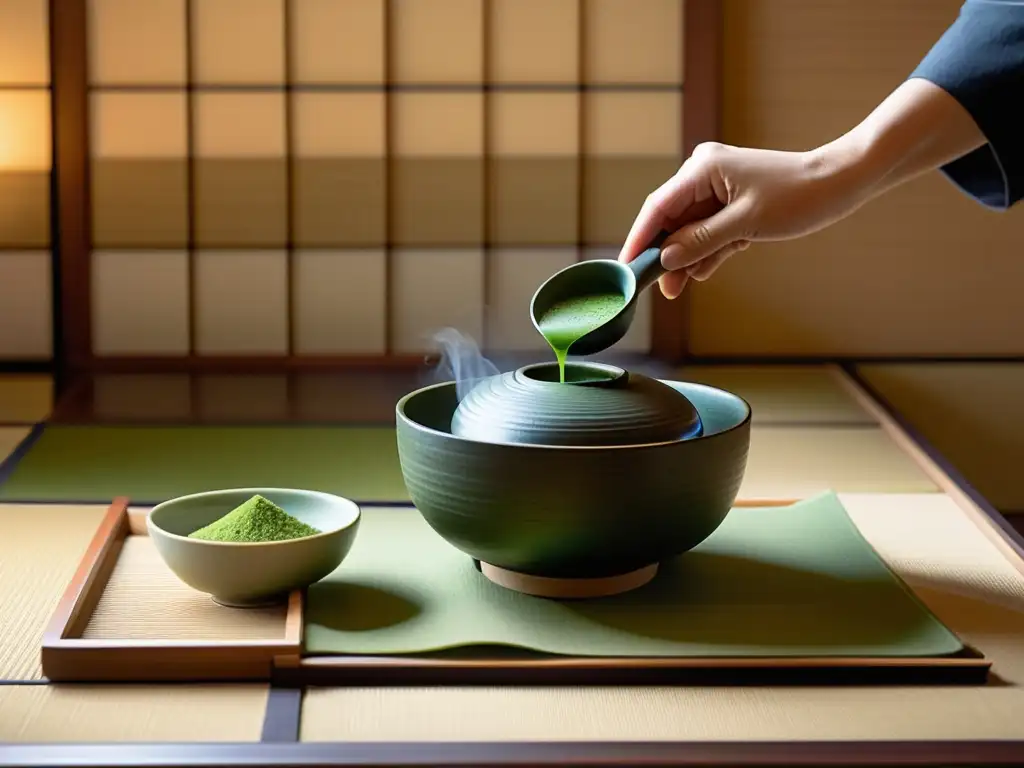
x: 588, y: 306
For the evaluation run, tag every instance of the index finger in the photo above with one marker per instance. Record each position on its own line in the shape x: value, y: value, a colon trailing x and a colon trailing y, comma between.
x: 660, y: 211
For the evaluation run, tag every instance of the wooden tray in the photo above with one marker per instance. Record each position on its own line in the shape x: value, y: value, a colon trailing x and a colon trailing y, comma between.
x: 79, y: 646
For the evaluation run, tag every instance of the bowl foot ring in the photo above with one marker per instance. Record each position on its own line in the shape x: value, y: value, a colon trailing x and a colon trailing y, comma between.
x: 260, y: 602
x: 543, y: 586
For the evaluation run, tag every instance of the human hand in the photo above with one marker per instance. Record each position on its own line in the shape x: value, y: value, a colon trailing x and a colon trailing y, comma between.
x: 723, y: 198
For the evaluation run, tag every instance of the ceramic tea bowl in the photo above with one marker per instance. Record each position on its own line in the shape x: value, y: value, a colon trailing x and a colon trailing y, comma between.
x: 260, y: 573
x: 607, y: 474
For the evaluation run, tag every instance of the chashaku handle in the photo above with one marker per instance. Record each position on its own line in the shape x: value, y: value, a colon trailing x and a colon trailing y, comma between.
x: 647, y: 266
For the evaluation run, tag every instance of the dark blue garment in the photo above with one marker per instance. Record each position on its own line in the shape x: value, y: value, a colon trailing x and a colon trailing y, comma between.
x: 980, y: 62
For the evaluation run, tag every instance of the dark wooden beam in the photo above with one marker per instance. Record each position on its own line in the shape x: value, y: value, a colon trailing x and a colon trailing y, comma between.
x: 71, y: 221
x: 702, y: 99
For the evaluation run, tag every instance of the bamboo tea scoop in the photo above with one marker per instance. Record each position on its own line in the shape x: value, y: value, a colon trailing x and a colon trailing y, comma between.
x: 596, y: 277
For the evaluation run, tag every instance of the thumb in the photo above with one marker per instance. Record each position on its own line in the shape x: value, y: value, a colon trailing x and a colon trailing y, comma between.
x: 697, y: 240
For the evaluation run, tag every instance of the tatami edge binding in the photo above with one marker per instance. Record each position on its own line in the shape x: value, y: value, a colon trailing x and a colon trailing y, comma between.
x: 283, y: 715
x: 9, y: 465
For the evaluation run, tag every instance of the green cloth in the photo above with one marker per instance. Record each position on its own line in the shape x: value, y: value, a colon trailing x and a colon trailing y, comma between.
x: 786, y: 581
x: 150, y: 464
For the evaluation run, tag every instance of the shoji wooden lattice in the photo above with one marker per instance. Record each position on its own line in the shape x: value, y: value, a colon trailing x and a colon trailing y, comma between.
x: 301, y: 181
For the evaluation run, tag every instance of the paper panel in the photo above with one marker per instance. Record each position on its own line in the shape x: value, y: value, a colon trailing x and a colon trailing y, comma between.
x: 337, y: 41
x: 433, y: 290
x: 140, y: 303
x: 438, y: 124
x: 25, y: 131
x: 241, y: 302
x: 535, y: 41
x: 24, y: 43
x: 239, y: 125
x: 241, y: 171
x: 340, y: 302
x: 339, y: 172
x: 637, y: 124
x: 338, y: 124
x: 26, y: 305
x: 534, y: 171
x: 438, y: 193
x: 535, y: 124
x: 25, y: 210
x: 634, y: 42
x: 238, y: 41
x: 139, y: 174
x: 25, y: 162
x: 437, y: 41
x: 137, y: 43
x: 138, y: 125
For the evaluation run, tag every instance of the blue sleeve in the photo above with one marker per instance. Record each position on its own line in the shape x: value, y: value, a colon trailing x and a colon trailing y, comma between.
x: 980, y: 62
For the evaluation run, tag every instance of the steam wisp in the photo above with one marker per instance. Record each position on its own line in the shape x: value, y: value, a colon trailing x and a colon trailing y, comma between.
x: 461, y: 361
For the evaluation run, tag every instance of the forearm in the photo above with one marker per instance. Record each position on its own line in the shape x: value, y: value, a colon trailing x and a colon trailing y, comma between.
x: 917, y: 129
x: 968, y: 84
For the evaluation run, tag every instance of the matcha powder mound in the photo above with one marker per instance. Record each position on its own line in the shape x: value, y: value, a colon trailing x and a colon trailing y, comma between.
x: 256, y: 520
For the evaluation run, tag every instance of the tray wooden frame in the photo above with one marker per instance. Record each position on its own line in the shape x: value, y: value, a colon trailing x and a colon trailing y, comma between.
x: 68, y: 657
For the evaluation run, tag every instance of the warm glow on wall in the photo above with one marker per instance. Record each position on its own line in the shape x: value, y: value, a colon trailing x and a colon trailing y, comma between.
x: 25, y: 131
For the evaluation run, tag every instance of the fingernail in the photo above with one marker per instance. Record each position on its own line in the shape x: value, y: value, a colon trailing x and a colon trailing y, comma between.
x: 671, y: 255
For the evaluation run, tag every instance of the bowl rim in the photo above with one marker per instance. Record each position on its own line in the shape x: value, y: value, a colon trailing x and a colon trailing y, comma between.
x: 262, y: 490
x: 401, y: 415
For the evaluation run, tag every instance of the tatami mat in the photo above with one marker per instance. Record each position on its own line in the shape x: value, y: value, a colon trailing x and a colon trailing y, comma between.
x: 794, y: 462
x: 25, y: 399
x: 40, y: 547
x: 804, y: 394
x: 972, y: 413
x: 150, y: 464
x: 51, y: 713
x: 144, y: 599
x: 78, y: 463
x: 955, y: 569
x: 10, y: 437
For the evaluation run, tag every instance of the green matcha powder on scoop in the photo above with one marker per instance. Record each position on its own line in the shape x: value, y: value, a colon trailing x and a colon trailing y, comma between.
x: 257, y: 520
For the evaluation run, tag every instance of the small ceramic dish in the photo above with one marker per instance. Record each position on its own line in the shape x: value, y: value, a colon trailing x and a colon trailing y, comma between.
x: 251, y: 574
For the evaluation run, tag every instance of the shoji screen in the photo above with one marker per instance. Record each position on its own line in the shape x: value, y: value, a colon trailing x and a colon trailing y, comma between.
x: 25, y: 165
x: 343, y: 177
